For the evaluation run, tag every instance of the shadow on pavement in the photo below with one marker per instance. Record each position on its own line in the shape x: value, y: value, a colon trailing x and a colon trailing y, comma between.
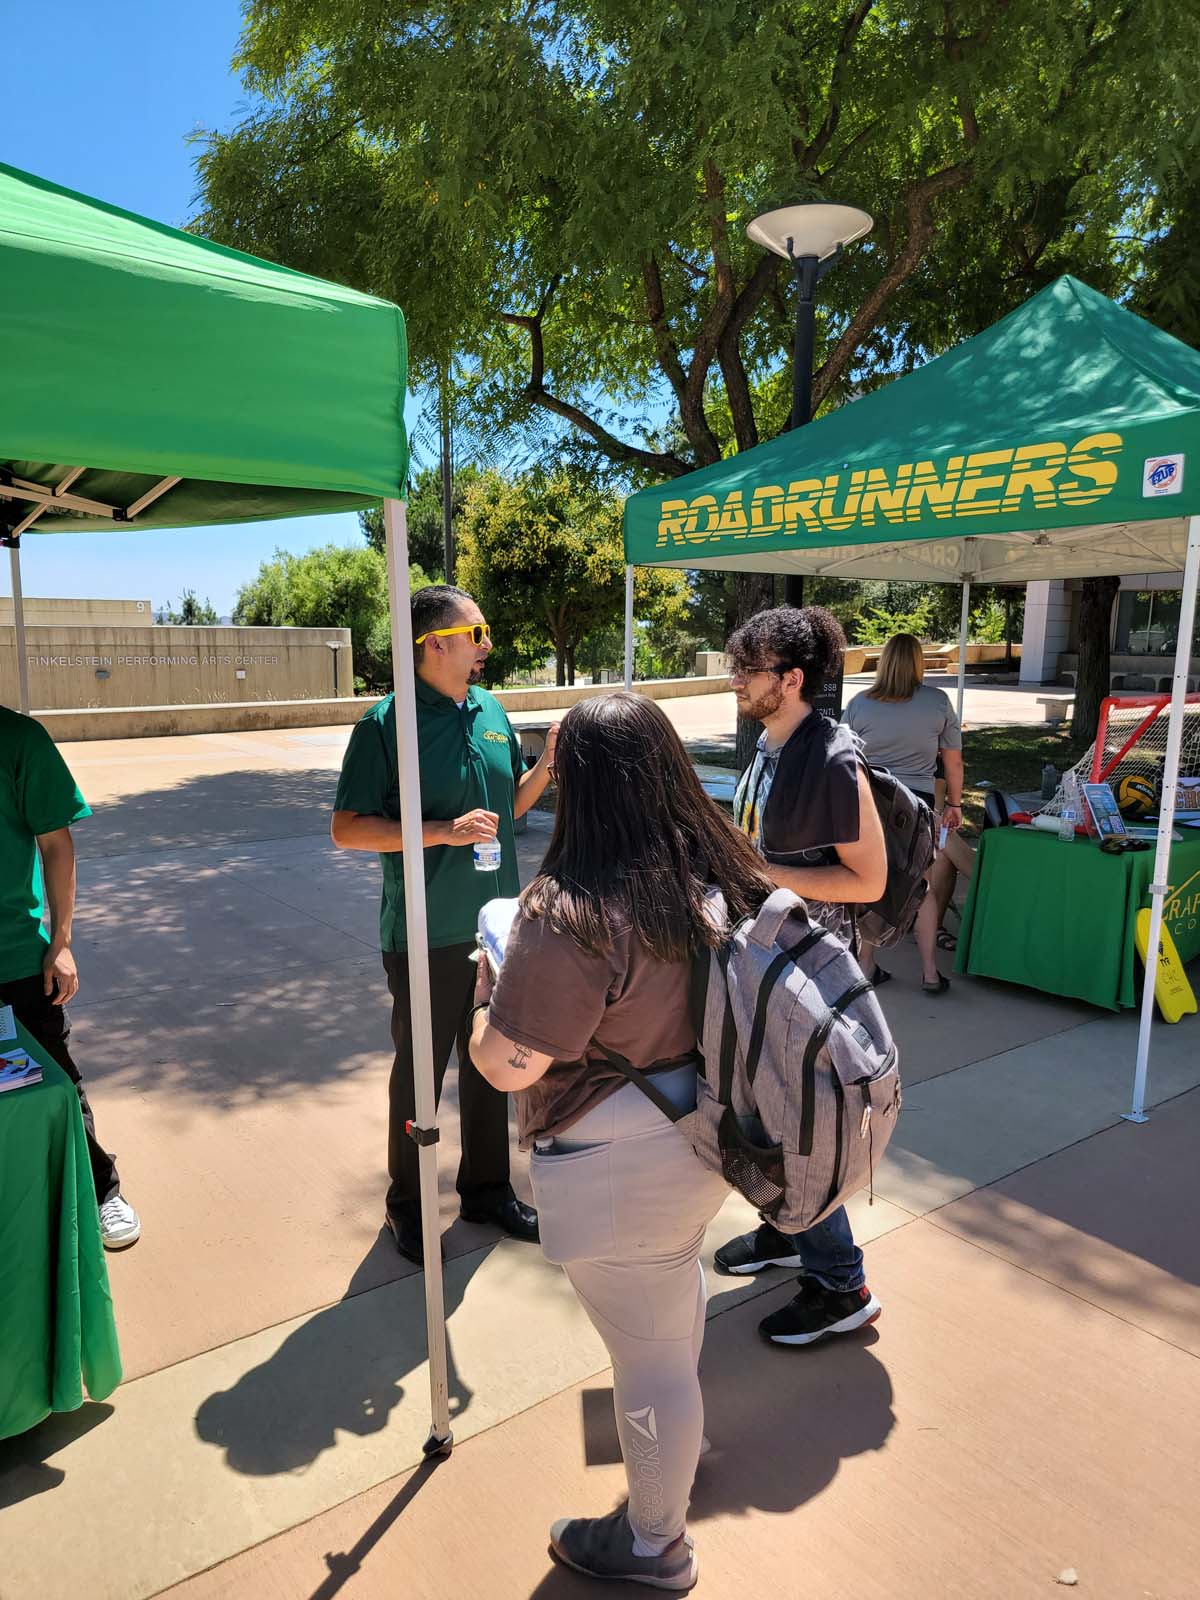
x: 781, y: 1422
x: 24, y: 1468
x: 341, y: 1371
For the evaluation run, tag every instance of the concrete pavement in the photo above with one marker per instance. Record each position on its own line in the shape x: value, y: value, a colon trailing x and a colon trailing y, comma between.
x: 1023, y: 1407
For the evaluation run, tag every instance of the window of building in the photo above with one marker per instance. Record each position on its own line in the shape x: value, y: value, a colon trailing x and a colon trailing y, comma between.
x: 1148, y: 623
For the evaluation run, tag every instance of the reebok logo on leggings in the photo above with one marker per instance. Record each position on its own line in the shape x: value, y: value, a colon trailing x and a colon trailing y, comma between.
x: 644, y: 1461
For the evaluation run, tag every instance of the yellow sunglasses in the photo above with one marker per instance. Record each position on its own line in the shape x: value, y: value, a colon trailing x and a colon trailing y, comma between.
x: 479, y: 631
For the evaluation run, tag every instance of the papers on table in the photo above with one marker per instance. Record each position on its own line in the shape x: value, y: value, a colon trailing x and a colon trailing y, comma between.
x: 8, y: 1024
x: 17, y: 1070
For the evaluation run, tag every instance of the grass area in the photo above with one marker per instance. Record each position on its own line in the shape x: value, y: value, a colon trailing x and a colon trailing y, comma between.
x: 1012, y: 758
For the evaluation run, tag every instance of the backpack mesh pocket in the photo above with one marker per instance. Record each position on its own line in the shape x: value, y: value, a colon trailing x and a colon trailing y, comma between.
x: 754, y: 1170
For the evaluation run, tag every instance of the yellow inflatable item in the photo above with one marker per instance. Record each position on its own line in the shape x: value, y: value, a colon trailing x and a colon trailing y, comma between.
x: 1171, y: 987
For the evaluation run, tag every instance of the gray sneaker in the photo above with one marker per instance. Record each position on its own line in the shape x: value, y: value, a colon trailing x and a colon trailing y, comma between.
x: 602, y: 1547
x: 120, y: 1225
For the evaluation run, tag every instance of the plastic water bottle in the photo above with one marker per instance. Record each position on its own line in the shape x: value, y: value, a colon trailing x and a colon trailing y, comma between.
x: 487, y: 855
x: 1070, y: 810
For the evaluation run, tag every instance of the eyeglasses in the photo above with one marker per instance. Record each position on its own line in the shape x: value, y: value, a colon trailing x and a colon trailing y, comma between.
x: 743, y: 674
x: 479, y: 631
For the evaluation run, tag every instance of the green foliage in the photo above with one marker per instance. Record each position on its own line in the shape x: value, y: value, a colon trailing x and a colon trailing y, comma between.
x: 987, y: 624
x: 425, y: 543
x: 544, y: 558
x: 192, y: 613
x: 878, y: 626
x: 332, y: 587
x: 557, y: 194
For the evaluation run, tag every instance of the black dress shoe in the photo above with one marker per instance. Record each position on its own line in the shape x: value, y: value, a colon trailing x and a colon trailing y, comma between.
x: 406, y: 1231
x: 510, y: 1215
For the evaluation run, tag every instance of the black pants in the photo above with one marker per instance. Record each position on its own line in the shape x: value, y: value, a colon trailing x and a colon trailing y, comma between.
x: 51, y: 1027
x: 483, y: 1111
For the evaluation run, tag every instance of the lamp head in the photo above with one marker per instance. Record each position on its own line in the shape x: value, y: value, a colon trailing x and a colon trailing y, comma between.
x: 809, y: 230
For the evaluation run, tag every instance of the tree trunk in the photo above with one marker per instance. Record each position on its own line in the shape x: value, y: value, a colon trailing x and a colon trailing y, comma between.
x: 570, y: 653
x: 1095, y: 634
x: 754, y: 591
x: 560, y: 666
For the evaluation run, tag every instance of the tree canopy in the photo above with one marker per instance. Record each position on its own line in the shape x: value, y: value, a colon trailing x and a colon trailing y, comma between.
x: 543, y: 557
x: 192, y: 613
x: 333, y: 587
x: 557, y: 193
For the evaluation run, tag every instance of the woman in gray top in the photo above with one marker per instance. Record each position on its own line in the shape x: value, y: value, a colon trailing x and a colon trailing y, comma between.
x: 905, y: 725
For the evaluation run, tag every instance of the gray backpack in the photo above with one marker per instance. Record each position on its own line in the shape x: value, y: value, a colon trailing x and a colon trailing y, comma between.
x: 800, y: 1087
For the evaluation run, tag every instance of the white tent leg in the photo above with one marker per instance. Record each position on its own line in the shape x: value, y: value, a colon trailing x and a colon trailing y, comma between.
x: 629, y: 627
x: 396, y: 541
x: 963, y: 624
x: 1166, y: 814
x: 14, y: 563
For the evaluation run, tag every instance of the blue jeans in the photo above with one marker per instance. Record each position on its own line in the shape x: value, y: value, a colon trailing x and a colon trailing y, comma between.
x: 829, y: 1254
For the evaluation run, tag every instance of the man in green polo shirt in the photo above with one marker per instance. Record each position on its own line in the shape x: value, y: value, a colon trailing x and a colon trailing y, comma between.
x: 473, y: 785
x: 38, y: 804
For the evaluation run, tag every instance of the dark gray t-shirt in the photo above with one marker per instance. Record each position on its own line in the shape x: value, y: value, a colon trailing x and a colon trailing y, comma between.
x: 905, y: 736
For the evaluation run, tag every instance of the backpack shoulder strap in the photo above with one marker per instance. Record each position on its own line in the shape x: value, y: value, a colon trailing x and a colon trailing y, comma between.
x: 645, y: 1084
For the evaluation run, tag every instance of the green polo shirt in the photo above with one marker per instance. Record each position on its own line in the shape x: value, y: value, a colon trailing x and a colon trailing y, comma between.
x: 37, y: 795
x: 470, y: 757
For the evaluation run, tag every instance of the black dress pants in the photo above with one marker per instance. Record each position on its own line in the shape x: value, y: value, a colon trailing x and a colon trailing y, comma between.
x: 51, y: 1027
x: 483, y: 1111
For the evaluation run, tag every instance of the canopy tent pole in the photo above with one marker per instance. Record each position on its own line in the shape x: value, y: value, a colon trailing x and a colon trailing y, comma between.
x: 424, y: 1129
x: 1166, y: 814
x: 963, y: 621
x: 14, y: 565
x: 629, y: 627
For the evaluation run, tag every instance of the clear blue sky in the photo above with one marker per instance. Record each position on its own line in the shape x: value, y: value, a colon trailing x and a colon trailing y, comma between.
x: 101, y: 95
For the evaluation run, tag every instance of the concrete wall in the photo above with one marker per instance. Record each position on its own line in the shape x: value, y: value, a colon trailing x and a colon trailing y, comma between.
x: 104, y: 667
x: 148, y: 722
x: 43, y: 613
x: 1047, y: 625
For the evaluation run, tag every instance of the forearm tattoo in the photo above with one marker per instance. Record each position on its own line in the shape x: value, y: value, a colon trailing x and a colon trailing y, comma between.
x: 519, y: 1059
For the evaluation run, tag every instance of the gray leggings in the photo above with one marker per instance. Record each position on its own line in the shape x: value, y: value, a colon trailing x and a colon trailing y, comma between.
x: 623, y: 1204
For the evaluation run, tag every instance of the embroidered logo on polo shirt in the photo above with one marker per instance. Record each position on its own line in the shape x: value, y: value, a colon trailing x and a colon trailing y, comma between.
x: 496, y: 738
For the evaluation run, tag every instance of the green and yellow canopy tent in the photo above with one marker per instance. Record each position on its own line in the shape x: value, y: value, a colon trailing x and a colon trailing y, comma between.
x: 155, y: 379
x: 1062, y: 442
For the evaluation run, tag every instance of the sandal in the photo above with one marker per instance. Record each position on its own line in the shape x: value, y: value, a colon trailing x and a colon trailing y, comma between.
x: 946, y: 940
x: 879, y: 977
x: 939, y: 987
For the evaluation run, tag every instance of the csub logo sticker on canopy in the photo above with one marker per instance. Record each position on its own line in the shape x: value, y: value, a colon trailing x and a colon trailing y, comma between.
x: 1162, y: 475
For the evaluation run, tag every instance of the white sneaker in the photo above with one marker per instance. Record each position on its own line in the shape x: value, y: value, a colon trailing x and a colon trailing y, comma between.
x: 120, y: 1225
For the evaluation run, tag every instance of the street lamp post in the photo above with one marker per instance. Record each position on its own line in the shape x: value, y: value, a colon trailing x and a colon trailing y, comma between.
x: 333, y: 646
x: 812, y: 238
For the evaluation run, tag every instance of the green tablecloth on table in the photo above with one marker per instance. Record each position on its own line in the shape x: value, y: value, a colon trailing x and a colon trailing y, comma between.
x: 56, y: 1315
x: 1059, y: 917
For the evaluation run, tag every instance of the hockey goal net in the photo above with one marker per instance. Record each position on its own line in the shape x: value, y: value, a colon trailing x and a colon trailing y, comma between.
x: 1129, y: 754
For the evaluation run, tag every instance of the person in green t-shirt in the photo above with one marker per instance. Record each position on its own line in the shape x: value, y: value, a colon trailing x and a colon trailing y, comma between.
x: 473, y: 786
x: 38, y: 803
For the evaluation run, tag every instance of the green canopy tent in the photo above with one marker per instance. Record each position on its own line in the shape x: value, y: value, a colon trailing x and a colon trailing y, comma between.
x: 1062, y: 442
x: 158, y: 380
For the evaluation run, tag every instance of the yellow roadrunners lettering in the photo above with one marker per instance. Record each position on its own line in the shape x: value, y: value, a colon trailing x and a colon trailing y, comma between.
x: 987, y: 483
x: 496, y: 738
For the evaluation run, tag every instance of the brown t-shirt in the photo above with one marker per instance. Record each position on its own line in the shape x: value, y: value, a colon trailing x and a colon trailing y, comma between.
x: 555, y: 998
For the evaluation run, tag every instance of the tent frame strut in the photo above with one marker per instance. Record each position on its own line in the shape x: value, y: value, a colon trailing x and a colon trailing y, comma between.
x: 1159, y: 887
x: 424, y: 1129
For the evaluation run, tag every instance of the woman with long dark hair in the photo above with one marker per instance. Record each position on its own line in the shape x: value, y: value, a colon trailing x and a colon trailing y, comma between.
x: 599, y: 959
